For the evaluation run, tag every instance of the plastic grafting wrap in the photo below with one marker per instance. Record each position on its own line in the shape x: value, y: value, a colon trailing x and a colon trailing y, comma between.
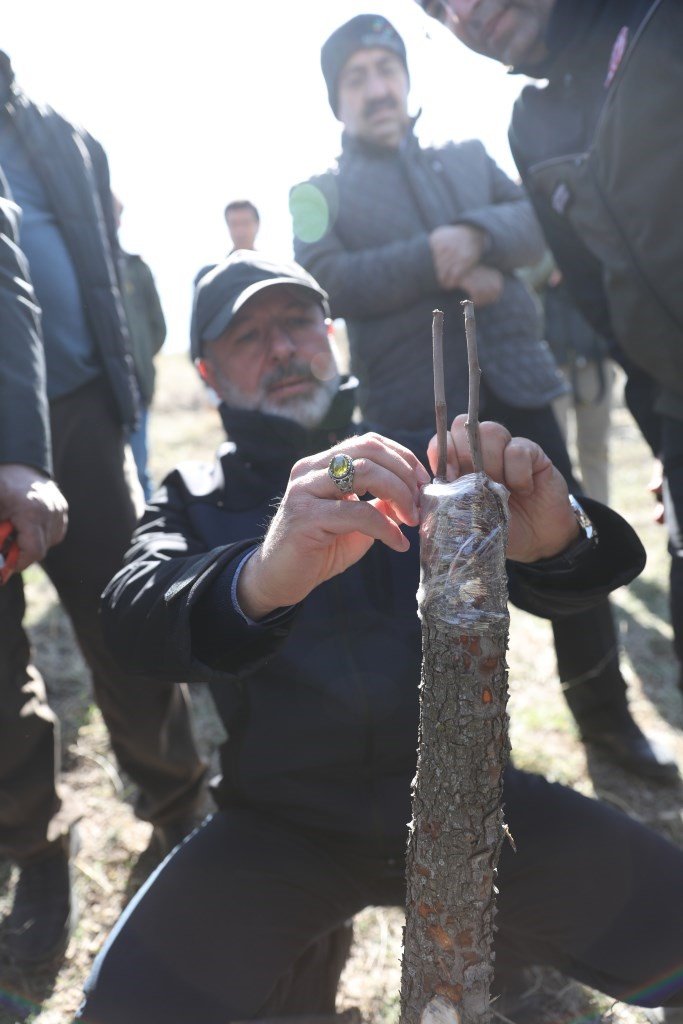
x: 463, y: 535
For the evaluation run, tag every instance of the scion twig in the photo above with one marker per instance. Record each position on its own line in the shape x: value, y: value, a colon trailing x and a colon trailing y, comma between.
x: 439, y: 395
x: 472, y: 424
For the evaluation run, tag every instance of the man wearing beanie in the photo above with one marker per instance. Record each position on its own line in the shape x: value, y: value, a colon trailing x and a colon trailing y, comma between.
x: 396, y: 230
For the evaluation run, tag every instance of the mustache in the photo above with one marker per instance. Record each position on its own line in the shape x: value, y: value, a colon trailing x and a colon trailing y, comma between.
x: 373, y: 106
x: 295, y: 368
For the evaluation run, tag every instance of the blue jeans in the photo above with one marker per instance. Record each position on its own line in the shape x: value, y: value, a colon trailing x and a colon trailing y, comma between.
x: 138, y: 442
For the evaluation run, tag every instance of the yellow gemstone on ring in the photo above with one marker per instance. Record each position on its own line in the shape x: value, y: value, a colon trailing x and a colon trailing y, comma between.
x: 340, y: 466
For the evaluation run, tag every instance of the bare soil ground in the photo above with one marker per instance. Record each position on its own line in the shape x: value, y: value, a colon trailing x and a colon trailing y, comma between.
x: 112, y: 861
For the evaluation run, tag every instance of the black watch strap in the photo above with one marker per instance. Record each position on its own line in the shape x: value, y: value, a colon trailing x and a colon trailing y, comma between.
x: 567, y: 560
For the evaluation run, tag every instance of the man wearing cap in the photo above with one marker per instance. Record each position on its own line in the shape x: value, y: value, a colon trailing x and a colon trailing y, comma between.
x: 396, y: 230
x: 265, y: 576
x: 59, y: 177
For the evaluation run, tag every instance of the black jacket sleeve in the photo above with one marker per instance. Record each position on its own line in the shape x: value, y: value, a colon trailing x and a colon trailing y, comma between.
x: 24, y: 424
x: 553, y: 589
x: 168, y: 613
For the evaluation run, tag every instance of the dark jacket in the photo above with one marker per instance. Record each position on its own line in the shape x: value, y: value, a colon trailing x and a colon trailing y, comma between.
x: 363, y: 230
x: 600, y: 150
x: 145, y: 317
x: 569, y: 334
x: 73, y: 168
x: 320, y: 703
x: 24, y: 425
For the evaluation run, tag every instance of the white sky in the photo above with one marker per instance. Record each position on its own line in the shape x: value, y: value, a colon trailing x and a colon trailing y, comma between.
x: 199, y: 103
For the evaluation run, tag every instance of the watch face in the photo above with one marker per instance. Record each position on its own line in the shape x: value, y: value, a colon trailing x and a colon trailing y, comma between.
x: 583, y: 520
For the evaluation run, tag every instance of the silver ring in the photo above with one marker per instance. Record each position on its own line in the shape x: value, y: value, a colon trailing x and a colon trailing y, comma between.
x: 340, y: 472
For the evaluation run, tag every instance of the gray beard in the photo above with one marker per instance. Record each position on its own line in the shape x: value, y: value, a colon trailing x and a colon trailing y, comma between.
x: 306, y: 410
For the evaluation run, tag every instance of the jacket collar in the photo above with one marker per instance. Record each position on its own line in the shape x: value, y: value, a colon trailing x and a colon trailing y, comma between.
x: 352, y: 144
x: 266, y: 440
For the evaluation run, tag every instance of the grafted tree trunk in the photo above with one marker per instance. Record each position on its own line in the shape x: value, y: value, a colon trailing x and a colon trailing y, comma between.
x: 457, y: 827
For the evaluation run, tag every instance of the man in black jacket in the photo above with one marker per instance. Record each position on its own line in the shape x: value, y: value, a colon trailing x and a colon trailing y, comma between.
x: 306, y: 629
x: 59, y: 178
x: 396, y: 230
x: 29, y: 499
x: 600, y: 151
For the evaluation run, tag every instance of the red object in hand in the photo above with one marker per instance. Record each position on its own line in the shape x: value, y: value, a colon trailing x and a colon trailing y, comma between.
x: 9, y: 550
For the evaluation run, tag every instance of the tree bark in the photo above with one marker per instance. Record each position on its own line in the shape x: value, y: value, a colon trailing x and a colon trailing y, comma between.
x: 457, y: 828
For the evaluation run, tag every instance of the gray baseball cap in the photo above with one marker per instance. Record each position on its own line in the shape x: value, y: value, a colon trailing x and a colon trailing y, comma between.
x: 221, y: 291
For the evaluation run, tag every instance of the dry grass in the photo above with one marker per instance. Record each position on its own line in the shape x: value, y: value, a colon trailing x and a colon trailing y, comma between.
x: 111, y: 861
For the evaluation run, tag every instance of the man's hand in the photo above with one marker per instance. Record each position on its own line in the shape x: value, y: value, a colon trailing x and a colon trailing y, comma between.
x: 456, y: 249
x: 318, y: 532
x: 36, y: 508
x: 542, y: 523
x: 483, y: 284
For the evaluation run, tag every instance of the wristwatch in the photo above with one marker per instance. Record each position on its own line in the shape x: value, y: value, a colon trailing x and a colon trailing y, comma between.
x: 586, y: 525
x: 566, y: 560
x: 588, y: 536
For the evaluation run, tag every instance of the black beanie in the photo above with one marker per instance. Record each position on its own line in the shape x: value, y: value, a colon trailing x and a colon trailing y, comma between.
x: 364, y: 32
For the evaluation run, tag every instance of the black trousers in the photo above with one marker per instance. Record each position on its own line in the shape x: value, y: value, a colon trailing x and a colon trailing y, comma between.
x: 148, y: 721
x: 672, y: 459
x: 586, y: 644
x: 237, y: 922
x: 664, y: 434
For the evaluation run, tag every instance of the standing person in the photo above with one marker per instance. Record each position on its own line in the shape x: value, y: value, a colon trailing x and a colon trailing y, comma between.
x: 397, y: 230
x: 147, y: 330
x: 307, y: 632
x: 32, y: 503
x: 582, y: 355
x: 58, y: 175
x: 243, y: 221
x: 29, y: 499
x: 600, y: 151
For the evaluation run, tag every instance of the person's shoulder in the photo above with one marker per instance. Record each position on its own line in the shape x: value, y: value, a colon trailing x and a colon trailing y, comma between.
x: 319, y: 180
x: 531, y: 96
x: 62, y: 123
x: 465, y: 152
x: 43, y: 118
x: 137, y: 264
x: 314, y: 204
x: 200, y: 480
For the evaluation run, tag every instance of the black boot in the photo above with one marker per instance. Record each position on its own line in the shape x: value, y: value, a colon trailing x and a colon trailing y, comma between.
x: 624, y: 743
x: 43, y: 912
x: 594, y: 688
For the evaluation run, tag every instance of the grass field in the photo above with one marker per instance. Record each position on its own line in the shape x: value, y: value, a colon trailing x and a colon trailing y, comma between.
x: 112, y: 862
